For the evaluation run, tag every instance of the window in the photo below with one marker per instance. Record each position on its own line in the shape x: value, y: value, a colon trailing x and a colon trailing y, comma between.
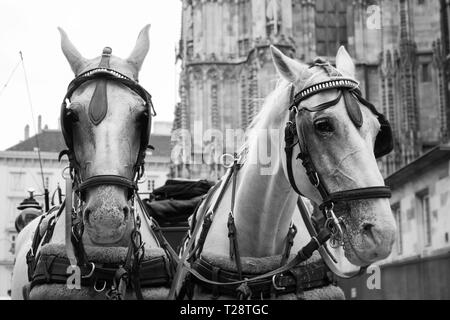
x: 12, y: 249
x: 331, y: 26
x: 398, y: 221
x: 150, y: 185
x: 426, y: 72
x: 426, y: 218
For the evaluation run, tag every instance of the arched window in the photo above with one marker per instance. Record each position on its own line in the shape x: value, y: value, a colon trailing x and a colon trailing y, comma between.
x: 331, y: 26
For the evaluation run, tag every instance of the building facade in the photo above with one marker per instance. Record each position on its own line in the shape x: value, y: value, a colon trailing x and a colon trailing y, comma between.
x: 20, y: 171
x: 400, y: 49
x: 418, y: 266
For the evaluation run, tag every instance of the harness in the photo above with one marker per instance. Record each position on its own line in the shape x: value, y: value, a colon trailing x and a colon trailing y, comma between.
x: 290, y: 277
x: 134, y: 271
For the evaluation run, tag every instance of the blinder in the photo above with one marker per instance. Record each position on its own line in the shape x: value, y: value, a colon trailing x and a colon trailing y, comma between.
x: 352, y: 95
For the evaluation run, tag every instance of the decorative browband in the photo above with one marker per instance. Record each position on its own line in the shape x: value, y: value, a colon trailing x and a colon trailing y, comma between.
x: 104, y: 70
x: 322, y: 86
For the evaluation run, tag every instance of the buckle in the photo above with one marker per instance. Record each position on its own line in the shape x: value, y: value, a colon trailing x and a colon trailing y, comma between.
x: 91, y: 272
x: 275, y: 285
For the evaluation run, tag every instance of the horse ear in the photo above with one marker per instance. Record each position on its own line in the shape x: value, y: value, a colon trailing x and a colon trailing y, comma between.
x: 137, y: 56
x: 75, y: 59
x: 288, y: 68
x: 344, y: 63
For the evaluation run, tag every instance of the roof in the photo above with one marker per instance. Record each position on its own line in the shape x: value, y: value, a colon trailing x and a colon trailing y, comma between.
x: 53, y: 141
x: 49, y: 141
x: 427, y: 161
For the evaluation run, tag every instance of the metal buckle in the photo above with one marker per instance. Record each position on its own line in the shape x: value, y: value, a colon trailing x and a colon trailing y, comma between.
x: 294, y: 108
x: 90, y: 273
x: 99, y: 290
x: 333, y: 224
x: 316, y: 178
x: 64, y: 174
x: 274, y: 283
x: 229, y: 156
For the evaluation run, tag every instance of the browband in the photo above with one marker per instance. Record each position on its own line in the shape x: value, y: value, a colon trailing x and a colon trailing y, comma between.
x: 308, y: 92
x: 109, y: 74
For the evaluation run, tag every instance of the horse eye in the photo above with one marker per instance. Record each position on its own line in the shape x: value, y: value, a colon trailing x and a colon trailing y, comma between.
x: 72, y: 116
x: 324, y: 126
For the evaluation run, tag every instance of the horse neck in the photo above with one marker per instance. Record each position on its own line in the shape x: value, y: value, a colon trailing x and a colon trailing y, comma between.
x: 265, y: 203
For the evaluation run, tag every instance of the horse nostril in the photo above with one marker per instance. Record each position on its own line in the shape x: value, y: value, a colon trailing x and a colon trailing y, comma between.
x: 368, y: 230
x: 368, y: 227
x: 126, y: 212
x: 87, y: 214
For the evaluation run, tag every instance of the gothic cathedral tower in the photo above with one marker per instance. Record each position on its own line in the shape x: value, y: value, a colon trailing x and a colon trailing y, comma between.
x: 227, y: 69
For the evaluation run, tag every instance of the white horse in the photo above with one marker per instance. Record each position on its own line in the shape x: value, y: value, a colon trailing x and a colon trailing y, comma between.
x: 265, y: 201
x: 106, y: 127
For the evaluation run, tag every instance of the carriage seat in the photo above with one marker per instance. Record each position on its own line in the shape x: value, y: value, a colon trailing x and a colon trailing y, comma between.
x: 173, y: 203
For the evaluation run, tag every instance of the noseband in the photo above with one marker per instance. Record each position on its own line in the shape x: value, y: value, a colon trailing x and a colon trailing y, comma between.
x: 348, y: 88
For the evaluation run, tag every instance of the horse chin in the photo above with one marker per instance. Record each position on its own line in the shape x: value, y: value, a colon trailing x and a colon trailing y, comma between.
x: 354, y: 258
x: 118, y: 237
x: 360, y: 252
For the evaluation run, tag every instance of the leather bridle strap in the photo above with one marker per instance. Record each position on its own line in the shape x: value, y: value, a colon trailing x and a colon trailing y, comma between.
x: 232, y: 231
x: 291, y: 140
x: 358, y: 194
x: 96, y: 181
x: 68, y: 224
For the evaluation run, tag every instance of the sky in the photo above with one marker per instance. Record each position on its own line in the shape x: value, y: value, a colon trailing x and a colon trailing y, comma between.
x: 30, y: 26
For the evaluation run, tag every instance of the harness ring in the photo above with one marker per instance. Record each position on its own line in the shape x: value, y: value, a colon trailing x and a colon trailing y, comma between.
x: 90, y: 273
x: 274, y: 284
x: 100, y: 290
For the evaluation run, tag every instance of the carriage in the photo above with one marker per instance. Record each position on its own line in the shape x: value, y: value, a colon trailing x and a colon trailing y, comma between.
x: 249, y: 236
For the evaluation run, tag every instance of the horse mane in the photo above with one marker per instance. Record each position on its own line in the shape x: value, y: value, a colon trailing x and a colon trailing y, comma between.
x: 271, y: 114
x: 275, y: 107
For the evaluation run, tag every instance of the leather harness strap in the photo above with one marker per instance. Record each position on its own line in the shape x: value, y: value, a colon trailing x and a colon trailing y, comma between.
x: 100, y: 180
x: 232, y: 231
x: 300, y: 278
x: 242, y: 283
x: 53, y: 269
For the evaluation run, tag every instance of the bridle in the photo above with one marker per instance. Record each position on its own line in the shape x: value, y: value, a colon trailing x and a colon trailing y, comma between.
x: 130, y: 270
x: 348, y: 88
x: 97, y: 112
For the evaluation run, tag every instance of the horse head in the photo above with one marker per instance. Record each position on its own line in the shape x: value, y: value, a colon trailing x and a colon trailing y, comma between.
x: 106, y: 126
x: 340, y: 135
